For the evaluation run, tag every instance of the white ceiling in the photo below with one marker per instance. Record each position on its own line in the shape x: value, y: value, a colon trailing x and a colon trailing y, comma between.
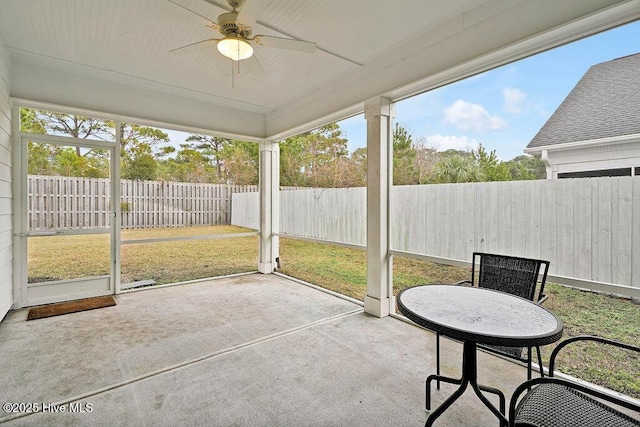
x: 113, y: 55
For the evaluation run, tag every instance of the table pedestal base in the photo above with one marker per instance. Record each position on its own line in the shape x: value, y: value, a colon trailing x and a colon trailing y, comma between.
x: 469, y: 376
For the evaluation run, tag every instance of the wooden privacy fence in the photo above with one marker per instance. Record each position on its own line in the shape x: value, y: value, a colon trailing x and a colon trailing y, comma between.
x: 176, y: 204
x: 335, y: 214
x: 588, y: 228
x: 59, y: 203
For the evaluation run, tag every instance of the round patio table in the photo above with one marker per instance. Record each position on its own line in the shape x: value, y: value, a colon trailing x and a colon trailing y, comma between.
x: 477, y: 316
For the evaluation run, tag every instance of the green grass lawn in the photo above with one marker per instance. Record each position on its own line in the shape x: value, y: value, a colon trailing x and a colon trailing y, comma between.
x: 341, y: 270
x: 68, y: 257
x: 588, y: 313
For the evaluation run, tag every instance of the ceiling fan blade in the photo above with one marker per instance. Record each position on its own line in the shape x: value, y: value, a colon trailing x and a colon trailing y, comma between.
x: 253, y: 65
x: 289, y: 44
x: 209, y: 21
x: 251, y: 11
x: 194, y: 47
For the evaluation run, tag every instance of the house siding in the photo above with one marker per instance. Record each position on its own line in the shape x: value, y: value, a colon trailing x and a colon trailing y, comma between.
x: 594, y: 158
x: 6, y: 227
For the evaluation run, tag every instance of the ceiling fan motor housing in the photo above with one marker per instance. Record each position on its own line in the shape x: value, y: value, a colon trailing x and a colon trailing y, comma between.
x: 229, y: 26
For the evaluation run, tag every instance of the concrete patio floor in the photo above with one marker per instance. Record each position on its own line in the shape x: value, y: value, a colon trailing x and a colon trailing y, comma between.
x: 255, y: 350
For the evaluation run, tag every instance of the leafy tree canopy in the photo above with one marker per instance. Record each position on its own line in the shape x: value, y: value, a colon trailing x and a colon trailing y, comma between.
x: 319, y: 158
x: 490, y: 167
x: 527, y: 167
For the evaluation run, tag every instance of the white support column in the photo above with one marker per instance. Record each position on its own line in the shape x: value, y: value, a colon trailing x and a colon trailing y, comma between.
x: 269, y: 205
x: 545, y: 158
x: 378, y: 112
x: 19, y: 207
x: 116, y: 213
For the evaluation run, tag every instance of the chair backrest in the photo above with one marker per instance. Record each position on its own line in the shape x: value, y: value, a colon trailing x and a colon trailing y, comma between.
x: 514, y: 275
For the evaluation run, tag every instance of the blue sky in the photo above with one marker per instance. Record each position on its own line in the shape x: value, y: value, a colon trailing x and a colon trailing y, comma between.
x: 503, y: 108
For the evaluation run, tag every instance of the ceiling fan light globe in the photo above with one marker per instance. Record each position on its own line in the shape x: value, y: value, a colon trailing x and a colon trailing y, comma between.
x: 235, y: 48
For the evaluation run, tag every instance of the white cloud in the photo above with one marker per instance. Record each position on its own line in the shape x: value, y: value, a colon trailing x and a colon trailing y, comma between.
x: 446, y: 142
x: 513, y: 100
x: 467, y: 116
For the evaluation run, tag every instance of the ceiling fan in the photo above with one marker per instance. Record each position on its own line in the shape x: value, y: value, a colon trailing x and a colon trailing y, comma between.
x: 237, y: 38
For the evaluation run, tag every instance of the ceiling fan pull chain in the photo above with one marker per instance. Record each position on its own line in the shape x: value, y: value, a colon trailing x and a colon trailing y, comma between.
x: 238, y: 60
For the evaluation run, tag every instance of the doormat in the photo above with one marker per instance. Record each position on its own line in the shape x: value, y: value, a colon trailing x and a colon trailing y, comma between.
x: 70, y: 307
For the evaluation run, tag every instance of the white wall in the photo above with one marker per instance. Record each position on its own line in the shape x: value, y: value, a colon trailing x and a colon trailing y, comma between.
x: 6, y: 231
x: 594, y: 158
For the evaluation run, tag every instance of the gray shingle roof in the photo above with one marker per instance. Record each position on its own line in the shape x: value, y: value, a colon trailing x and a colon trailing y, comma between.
x: 604, y: 103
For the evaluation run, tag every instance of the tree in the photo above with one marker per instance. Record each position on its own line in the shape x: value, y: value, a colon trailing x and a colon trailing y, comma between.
x: 132, y: 135
x: 196, y: 167
x: 424, y: 164
x: 76, y: 126
x: 139, y: 163
x: 339, y: 173
x: 457, y: 168
x: 29, y: 121
x: 189, y: 165
x: 491, y: 168
x: 137, y: 143
x: 478, y: 165
x: 48, y: 159
x: 404, y: 155
x: 81, y: 127
x: 210, y: 146
x: 359, y: 162
x: 69, y: 163
x: 97, y: 165
x: 294, y: 159
x: 526, y: 167
x: 40, y: 159
x: 318, y: 158
x: 325, y: 146
x: 240, y: 160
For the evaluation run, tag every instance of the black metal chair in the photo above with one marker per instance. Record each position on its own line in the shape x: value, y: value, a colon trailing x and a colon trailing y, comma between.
x: 555, y: 402
x: 513, y: 275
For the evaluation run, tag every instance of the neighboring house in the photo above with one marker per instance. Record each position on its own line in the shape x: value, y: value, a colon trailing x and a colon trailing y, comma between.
x: 596, y: 129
